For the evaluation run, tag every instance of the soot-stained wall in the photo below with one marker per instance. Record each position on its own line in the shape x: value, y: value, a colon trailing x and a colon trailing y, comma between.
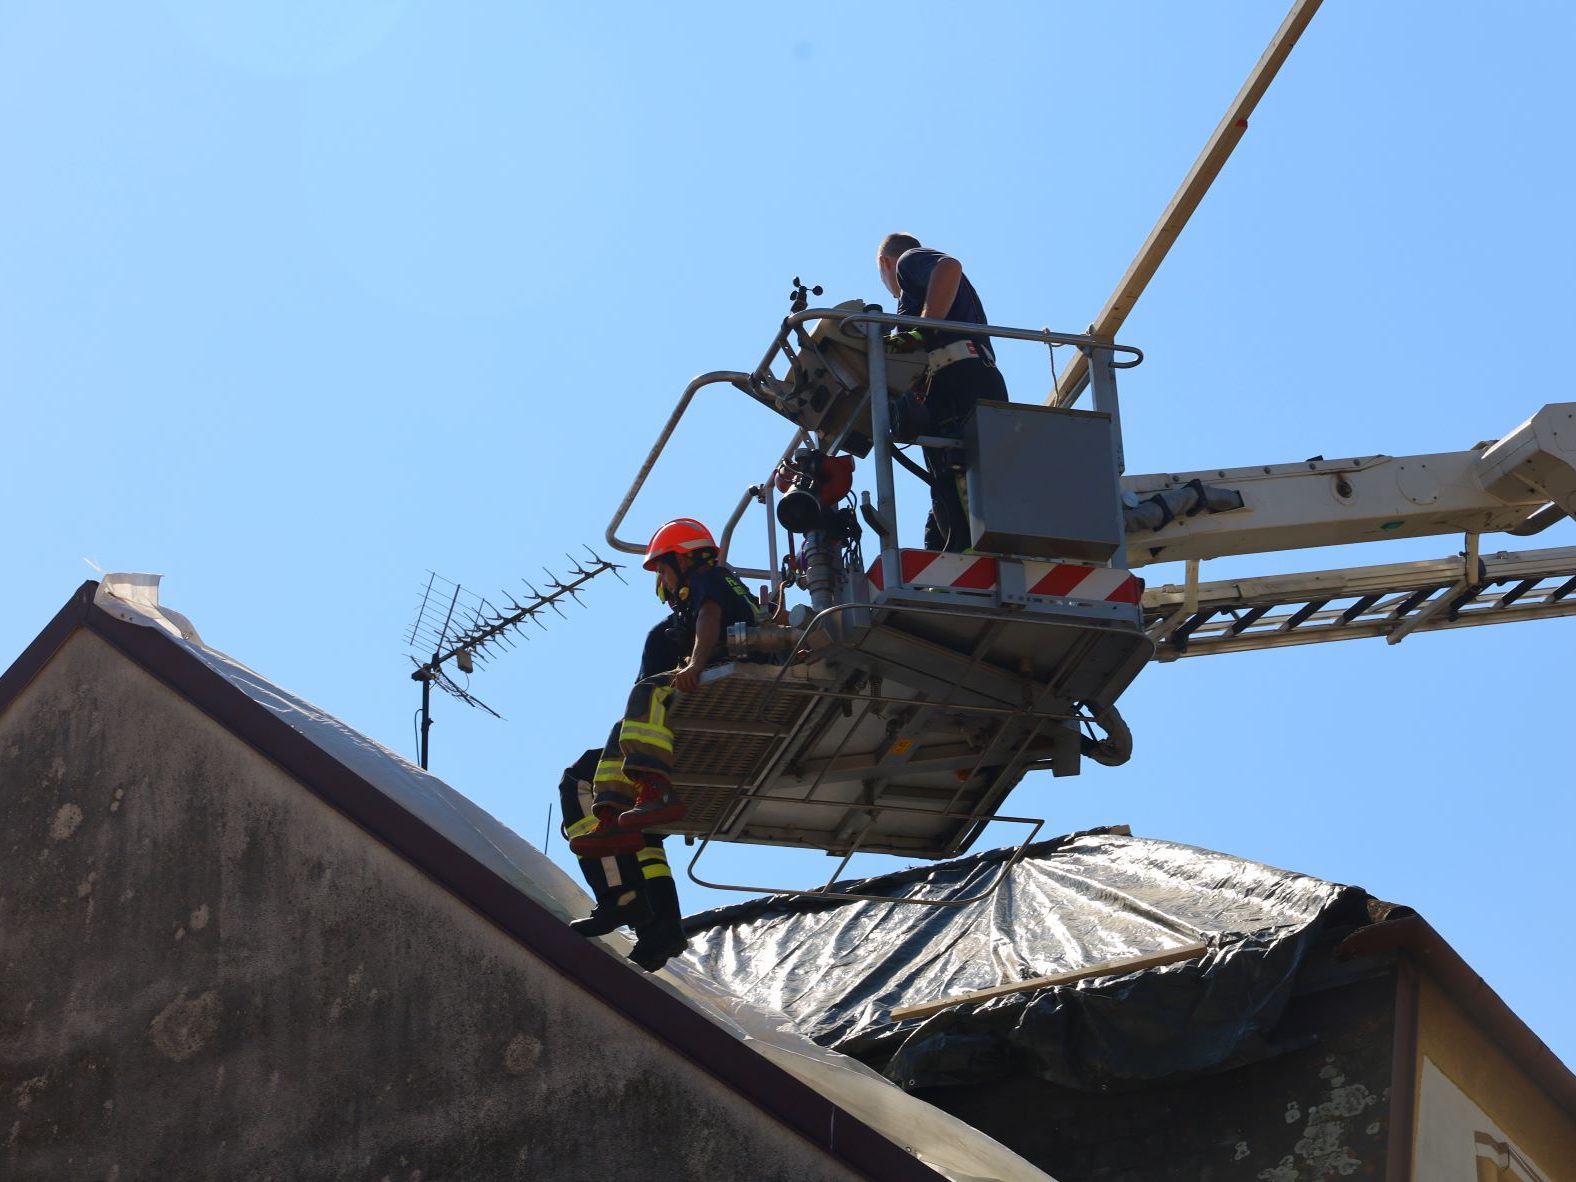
x: 1318, y: 1110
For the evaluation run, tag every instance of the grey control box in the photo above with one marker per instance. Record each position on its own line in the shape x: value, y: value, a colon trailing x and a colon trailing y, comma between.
x: 1042, y: 482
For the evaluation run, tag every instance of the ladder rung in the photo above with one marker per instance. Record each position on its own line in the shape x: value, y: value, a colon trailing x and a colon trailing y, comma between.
x: 1453, y: 609
x: 1517, y: 592
x: 1414, y: 600
x: 1358, y: 608
x: 1302, y: 613
x: 1179, y: 637
x: 1249, y: 618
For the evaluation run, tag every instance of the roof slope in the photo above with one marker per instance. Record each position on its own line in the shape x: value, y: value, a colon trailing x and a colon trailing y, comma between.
x: 831, y: 1101
x: 1072, y: 905
x: 1068, y: 905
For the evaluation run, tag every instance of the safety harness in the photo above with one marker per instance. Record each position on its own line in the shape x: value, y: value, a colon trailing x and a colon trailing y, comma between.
x: 940, y: 358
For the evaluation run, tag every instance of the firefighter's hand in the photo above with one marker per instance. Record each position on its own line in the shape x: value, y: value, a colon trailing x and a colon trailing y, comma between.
x: 687, y: 679
x: 905, y: 342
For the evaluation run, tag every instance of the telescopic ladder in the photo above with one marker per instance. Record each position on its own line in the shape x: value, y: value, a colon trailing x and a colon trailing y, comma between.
x: 1393, y: 601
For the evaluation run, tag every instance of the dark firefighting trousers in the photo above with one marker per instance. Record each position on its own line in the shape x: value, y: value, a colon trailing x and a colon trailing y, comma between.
x: 605, y: 876
x: 640, y: 748
x: 950, y: 396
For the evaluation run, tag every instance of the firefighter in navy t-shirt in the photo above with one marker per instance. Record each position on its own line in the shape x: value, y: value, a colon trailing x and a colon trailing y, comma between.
x: 962, y: 369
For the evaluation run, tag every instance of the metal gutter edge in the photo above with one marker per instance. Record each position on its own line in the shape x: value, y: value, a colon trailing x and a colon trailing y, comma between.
x: 1427, y: 949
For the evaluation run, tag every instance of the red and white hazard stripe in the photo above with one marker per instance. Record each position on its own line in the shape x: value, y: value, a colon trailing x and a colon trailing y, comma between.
x: 971, y: 572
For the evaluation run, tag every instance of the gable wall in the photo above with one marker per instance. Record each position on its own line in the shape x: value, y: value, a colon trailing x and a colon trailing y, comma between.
x: 1464, y: 1069
x: 209, y: 972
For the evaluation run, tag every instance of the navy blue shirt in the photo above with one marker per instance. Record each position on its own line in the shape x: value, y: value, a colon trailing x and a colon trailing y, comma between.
x: 671, y: 641
x: 914, y: 268
x: 718, y: 584
x: 714, y: 584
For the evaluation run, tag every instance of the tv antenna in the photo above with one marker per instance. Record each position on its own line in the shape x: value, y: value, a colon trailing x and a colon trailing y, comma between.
x: 459, y: 626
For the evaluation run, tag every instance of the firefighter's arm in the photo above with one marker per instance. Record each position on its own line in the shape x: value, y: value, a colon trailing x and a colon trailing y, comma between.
x: 942, y: 288
x: 708, y: 625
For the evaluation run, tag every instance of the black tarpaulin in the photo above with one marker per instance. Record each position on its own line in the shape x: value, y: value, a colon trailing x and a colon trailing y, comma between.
x: 1075, y: 903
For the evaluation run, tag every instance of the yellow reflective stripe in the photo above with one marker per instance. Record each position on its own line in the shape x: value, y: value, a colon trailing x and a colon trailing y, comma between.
x: 652, y: 736
x: 611, y: 771
x: 659, y: 705
x: 647, y: 854
x: 583, y: 825
x: 657, y: 734
x: 656, y: 870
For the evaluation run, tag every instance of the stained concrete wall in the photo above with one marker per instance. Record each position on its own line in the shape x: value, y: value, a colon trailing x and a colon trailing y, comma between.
x: 207, y: 972
x: 1317, y: 1110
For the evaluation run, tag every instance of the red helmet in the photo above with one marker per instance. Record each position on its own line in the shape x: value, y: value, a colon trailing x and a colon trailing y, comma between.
x: 684, y: 535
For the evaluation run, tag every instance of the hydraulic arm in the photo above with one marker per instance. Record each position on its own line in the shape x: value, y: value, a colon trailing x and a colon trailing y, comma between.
x: 1506, y: 485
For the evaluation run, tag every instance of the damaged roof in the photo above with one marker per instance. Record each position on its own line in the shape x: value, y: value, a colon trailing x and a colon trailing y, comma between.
x: 1109, y: 961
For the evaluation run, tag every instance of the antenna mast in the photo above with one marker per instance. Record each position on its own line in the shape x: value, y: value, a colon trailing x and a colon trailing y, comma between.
x: 487, y: 630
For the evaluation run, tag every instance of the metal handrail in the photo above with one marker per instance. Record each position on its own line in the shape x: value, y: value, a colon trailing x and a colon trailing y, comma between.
x: 852, y: 316
x: 868, y: 318
x: 726, y: 540
x: 1044, y: 335
x: 733, y: 378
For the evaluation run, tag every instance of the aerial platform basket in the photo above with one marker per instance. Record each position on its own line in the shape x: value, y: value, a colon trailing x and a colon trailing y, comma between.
x: 909, y: 719
x: 906, y: 701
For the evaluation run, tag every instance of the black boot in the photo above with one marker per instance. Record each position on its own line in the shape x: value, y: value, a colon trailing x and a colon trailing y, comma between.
x: 626, y: 906
x: 661, y: 937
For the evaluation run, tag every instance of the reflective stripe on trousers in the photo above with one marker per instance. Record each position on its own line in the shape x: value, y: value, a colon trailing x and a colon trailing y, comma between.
x: 644, y: 740
x: 575, y: 798
x: 611, y: 785
x: 654, y: 860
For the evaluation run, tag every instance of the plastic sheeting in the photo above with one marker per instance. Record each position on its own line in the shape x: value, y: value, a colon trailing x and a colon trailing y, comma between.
x: 839, y: 969
x: 948, y: 1145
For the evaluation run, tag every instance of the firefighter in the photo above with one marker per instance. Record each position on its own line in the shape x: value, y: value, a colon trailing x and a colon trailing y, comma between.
x: 626, y: 884
x: 961, y: 371
x: 633, y: 887
x: 632, y: 788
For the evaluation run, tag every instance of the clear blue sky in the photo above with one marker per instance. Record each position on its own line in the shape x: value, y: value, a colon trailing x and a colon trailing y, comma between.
x: 300, y: 301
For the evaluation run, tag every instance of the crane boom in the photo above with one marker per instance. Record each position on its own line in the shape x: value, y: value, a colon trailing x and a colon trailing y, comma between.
x: 1205, y: 169
x: 1491, y: 487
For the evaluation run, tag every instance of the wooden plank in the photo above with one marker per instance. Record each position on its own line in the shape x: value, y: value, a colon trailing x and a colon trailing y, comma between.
x: 1111, y: 968
x: 1210, y: 161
